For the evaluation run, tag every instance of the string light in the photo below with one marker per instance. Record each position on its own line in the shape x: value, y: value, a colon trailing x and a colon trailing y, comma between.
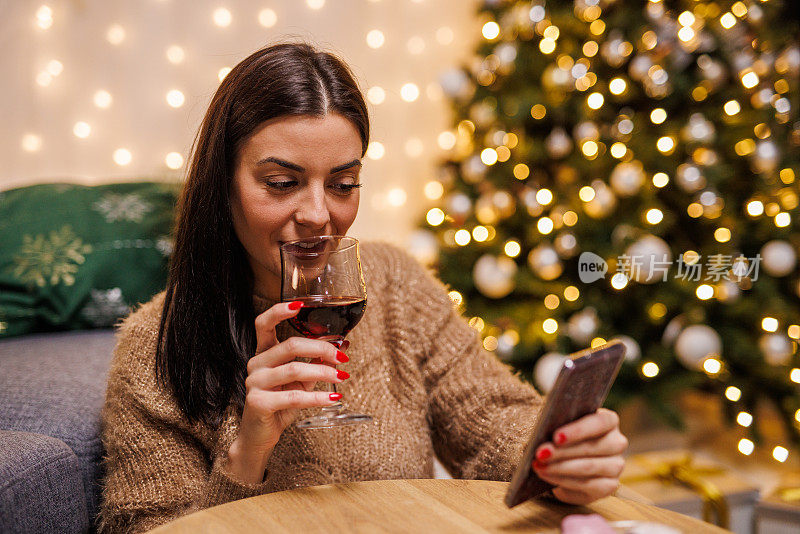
x: 619, y: 281
x: 744, y: 419
x: 732, y: 107
x: 175, y: 98
x: 769, y: 324
x: 658, y: 115
x: 512, y: 248
x: 571, y: 293
x: 490, y: 30
x: 794, y: 375
x: 31, y: 143
x: 267, y: 18
x: 650, y: 369
x: 81, y: 129
x: 44, y: 17
x: 550, y: 326
x: 660, y: 179
x: 315, y: 4
x: 396, y: 197
x: 434, y: 190
x: 704, y: 292
x: 435, y: 217
x: 456, y: 297
x: 375, y: 150
x: 545, y: 225
x: 446, y: 140
x: 781, y: 454
x: 122, y: 156
x: 480, y: 234
x: 746, y: 446
x: 115, y: 34
x: 462, y: 237
x: 409, y: 92
x: 175, y: 54
x: 733, y: 394
x: 544, y: 196
x: 654, y: 216
x: 174, y: 160
x: 375, y: 39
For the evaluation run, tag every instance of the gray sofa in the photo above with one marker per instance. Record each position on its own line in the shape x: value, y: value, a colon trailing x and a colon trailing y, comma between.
x: 52, y: 388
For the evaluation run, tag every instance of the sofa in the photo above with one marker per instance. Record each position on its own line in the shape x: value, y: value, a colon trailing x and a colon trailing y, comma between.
x: 52, y: 388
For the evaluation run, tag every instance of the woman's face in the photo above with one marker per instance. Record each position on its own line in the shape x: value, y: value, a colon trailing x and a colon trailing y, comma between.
x: 294, y: 178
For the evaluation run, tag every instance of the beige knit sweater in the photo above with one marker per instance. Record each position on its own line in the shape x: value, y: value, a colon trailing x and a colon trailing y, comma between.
x: 415, y: 366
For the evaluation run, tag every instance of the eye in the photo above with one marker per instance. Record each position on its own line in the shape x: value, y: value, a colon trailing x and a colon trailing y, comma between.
x: 280, y: 184
x: 345, y: 188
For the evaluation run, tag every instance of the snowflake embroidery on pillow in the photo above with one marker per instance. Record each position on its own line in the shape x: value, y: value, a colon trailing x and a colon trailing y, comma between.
x: 128, y: 207
x: 105, y: 307
x: 50, y: 260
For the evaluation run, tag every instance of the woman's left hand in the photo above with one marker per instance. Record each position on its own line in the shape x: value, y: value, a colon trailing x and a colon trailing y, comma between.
x: 586, y: 460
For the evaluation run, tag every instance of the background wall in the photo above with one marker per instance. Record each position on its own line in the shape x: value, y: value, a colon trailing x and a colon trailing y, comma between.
x: 87, y: 82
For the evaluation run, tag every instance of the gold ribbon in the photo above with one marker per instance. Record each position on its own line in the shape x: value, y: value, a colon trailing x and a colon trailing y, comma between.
x: 683, y: 473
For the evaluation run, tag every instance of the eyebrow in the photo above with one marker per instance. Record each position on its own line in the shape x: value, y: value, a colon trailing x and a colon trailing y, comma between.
x: 298, y: 168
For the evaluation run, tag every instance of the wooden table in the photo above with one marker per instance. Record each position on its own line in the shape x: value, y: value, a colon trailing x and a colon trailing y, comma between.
x: 402, y: 506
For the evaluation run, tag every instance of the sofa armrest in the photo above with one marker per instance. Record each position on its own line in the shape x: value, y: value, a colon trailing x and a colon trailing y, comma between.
x: 41, y: 485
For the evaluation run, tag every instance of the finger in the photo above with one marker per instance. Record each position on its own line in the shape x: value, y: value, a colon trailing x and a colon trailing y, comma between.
x: 610, y: 444
x: 266, y: 323
x: 296, y: 373
x: 275, y: 401
x: 606, y: 466
x: 590, y: 426
x: 571, y: 496
x: 293, y: 348
x: 596, y: 487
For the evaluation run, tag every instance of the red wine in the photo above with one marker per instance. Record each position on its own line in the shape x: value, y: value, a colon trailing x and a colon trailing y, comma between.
x: 328, y: 317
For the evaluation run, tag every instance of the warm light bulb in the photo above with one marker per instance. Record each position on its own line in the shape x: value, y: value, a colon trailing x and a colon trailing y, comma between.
x: 82, y: 129
x: 122, y: 156
x: 44, y: 17
x: 490, y: 30
x: 115, y: 34
x: 31, y: 142
x: 375, y: 39
x: 544, y: 225
x: 550, y: 326
x: 512, y: 248
x: 712, y: 366
x: 704, y: 292
x: 732, y: 107
x: 435, y: 217
x: 618, y: 150
x: 654, y: 216
x: 744, y: 419
x: 521, y: 171
x: 376, y: 95
x: 794, y: 375
x: 396, y: 197
x: 755, y: 208
x: 54, y: 67
x: 665, y: 144
x: 102, y: 99
x: 769, y: 324
x: 547, y: 46
x: 489, y: 156
x: 595, y: 100
x: 446, y: 140
x: 544, y: 196
x: 780, y: 453
x: 174, y: 160
x: 589, y: 149
x: 658, y: 115
x: 650, y: 369
x: 733, y: 394
x: 571, y: 293
x: 660, y: 179
x: 617, y: 86
x: 727, y: 20
x: 686, y: 18
x: 686, y: 34
x: 746, y: 446
x: 175, y: 98
x: 267, y: 18
x: 434, y: 190
x: 375, y: 150
x: 175, y: 54
x: 462, y: 237
x: 409, y: 92
x: 456, y: 297
x: 619, y: 281
x: 480, y: 234
x: 750, y: 80
x: 783, y: 219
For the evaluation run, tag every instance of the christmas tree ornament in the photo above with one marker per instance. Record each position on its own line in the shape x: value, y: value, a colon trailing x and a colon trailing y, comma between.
x: 458, y: 206
x: 689, y: 178
x: 632, y: 350
x: 456, y: 84
x: 566, y: 245
x: 776, y: 348
x: 603, y: 203
x: 766, y: 156
x: 545, y: 262
x: 695, y: 344
x: 778, y: 258
x: 698, y: 130
x: 558, y: 143
x: 494, y: 275
x: 649, y: 258
x: 582, y: 326
x: 627, y: 178
x: 423, y: 246
x: 546, y: 370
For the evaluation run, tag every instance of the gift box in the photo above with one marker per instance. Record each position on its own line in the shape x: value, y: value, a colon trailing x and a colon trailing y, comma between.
x: 694, y: 485
x: 779, y: 512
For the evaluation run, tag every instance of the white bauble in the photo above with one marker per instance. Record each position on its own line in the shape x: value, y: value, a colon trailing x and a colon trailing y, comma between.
x: 696, y: 343
x: 546, y: 370
x: 689, y: 178
x: 627, y: 178
x: 494, y: 276
x: 699, y: 130
x: 776, y: 348
x: 558, y: 143
x: 778, y: 258
x: 650, y: 257
x: 766, y: 156
x: 458, y: 204
x: 455, y: 83
x: 603, y: 203
x: 545, y: 262
x: 423, y: 246
x: 632, y: 350
x: 582, y: 326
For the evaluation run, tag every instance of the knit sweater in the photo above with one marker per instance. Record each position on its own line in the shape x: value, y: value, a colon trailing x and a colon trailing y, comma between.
x: 415, y: 365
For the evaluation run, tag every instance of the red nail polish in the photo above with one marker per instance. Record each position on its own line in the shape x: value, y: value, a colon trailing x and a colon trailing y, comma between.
x: 335, y: 396
x: 296, y: 305
x: 345, y: 344
x: 342, y: 375
x: 544, y: 454
x: 538, y: 465
x: 561, y: 438
x: 342, y: 357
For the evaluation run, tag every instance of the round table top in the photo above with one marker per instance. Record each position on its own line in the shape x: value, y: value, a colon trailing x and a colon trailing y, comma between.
x: 464, y: 506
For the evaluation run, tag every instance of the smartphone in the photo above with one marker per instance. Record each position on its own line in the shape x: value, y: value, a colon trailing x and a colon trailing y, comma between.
x: 580, y: 389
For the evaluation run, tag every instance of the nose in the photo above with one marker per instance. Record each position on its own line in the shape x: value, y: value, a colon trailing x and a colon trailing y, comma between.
x: 313, y: 209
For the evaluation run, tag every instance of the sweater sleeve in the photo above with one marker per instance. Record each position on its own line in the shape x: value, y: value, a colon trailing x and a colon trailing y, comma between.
x: 480, y: 414
x: 156, y: 467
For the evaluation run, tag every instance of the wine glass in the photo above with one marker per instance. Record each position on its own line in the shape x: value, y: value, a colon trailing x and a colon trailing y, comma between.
x: 324, y: 273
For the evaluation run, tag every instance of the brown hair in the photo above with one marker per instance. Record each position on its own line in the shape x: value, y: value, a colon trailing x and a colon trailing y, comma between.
x: 207, y: 334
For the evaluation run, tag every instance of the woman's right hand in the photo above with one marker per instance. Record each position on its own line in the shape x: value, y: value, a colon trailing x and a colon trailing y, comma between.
x: 277, y: 387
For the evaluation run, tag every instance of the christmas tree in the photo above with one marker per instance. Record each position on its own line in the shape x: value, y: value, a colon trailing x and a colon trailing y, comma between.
x: 628, y: 170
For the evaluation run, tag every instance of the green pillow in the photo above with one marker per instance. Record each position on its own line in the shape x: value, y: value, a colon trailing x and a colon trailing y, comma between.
x: 76, y: 257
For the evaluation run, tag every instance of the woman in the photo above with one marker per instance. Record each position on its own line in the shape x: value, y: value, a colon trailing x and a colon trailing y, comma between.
x: 206, y: 380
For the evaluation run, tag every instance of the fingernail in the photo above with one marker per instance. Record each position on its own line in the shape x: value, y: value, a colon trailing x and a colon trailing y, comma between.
x: 342, y: 357
x: 335, y: 396
x: 342, y: 375
x: 345, y: 344
x: 538, y: 465
x: 561, y: 438
x: 543, y: 454
x: 296, y: 305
